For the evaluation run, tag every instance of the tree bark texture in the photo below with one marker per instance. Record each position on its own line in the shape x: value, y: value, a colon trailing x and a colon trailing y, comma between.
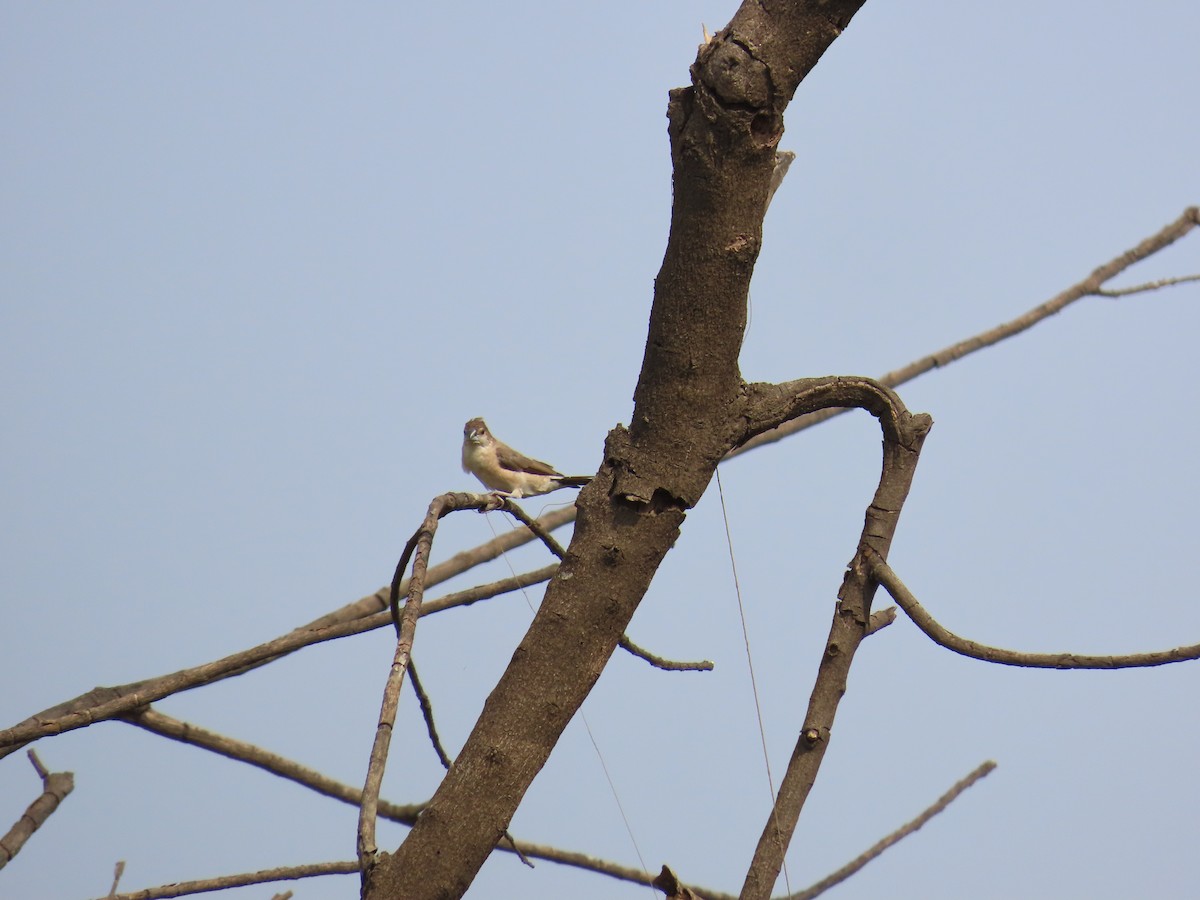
x: 691, y: 407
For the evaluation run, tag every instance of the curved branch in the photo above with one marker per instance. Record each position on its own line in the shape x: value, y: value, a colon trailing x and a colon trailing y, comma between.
x: 904, y: 435
x: 770, y: 405
x: 659, y: 662
x: 946, y: 638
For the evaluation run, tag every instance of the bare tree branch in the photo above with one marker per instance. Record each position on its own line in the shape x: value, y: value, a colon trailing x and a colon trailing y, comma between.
x: 420, y: 544
x: 940, y: 635
x: 904, y: 435
x: 103, y: 703
x: 533, y: 525
x: 55, y: 787
x: 188, y: 733
x: 895, y: 837
x: 427, y: 714
x: 624, y: 643
x: 658, y: 662
x: 457, y: 564
x: 224, y: 882
x: 1090, y: 286
x: 241, y: 751
x: 1148, y: 286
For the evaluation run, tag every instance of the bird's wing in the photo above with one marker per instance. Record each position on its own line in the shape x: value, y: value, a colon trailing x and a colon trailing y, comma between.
x: 513, y: 461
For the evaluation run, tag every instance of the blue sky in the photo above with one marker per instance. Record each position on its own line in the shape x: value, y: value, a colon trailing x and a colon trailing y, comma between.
x: 260, y: 262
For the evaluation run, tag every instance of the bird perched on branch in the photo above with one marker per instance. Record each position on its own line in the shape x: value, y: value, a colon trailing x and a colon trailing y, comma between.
x: 505, y: 471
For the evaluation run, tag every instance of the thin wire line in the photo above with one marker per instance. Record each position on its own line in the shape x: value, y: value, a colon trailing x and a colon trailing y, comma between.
x: 762, y: 731
x: 586, y: 725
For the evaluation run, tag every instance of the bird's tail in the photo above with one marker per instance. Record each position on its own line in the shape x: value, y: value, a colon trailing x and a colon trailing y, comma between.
x: 575, y: 481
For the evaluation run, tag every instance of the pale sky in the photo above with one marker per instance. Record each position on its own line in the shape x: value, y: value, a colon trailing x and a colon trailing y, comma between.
x: 261, y: 261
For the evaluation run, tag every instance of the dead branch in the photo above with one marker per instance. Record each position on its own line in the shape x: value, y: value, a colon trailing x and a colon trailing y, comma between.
x: 658, y: 662
x: 283, y: 873
x: 103, y: 703
x: 427, y: 714
x: 940, y: 635
x: 418, y: 548
x: 904, y: 435
x: 55, y: 787
x: 405, y: 814
x: 1147, y: 286
x: 532, y: 524
x: 880, y: 619
x: 895, y: 837
x: 166, y: 726
x: 1090, y: 286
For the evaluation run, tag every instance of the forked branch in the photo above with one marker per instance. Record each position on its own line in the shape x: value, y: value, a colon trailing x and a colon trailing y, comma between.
x: 904, y: 435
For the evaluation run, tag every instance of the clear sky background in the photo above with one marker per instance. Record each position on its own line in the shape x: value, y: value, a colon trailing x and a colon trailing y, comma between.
x: 261, y: 261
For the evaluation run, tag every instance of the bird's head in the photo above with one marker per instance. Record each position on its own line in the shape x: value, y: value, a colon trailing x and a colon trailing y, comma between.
x: 476, y: 432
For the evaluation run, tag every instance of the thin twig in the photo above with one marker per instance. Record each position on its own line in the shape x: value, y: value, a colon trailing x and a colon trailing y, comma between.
x: 659, y: 662
x: 940, y: 635
x: 896, y: 836
x: 427, y: 713
x: 405, y: 814
x: 1089, y: 286
x: 533, y: 525
x: 118, y: 871
x: 1148, y: 286
x: 231, y: 748
x: 224, y: 882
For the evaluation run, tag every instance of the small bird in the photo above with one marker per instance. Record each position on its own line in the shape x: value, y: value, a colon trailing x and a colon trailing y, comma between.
x: 507, y: 472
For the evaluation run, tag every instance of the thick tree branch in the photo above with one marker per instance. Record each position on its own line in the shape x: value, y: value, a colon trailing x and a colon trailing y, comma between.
x: 940, y: 635
x: 724, y: 131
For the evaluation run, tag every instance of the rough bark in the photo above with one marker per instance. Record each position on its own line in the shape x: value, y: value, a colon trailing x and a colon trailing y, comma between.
x: 690, y: 409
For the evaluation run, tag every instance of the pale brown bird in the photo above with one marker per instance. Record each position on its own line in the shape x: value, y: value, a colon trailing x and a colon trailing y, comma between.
x: 505, y: 471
